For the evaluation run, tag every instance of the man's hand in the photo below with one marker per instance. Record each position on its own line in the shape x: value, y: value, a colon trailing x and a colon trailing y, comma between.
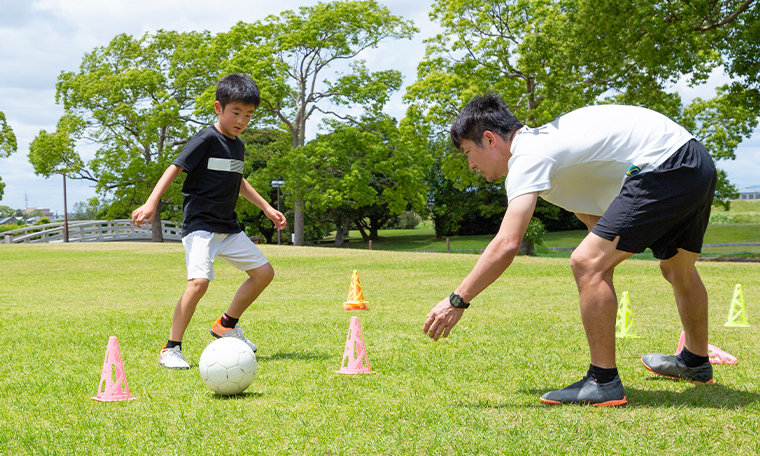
x: 277, y: 217
x: 441, y: 319
x: 143, y: 214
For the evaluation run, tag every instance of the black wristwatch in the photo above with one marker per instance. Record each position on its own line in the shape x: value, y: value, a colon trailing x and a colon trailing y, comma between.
x: 457, y: 301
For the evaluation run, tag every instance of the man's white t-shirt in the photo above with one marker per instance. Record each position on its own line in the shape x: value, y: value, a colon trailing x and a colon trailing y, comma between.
x: 579, y: 162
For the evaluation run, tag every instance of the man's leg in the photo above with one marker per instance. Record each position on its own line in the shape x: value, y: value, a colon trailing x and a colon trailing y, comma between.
x: 593, y: 264
x: 691, y: 298
x: 692, y: 364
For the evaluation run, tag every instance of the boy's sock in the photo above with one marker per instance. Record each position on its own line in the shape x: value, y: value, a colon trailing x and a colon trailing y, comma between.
x: 692, y: 360
x: 171, y: 344
x: 229, y: 322
x: 602, y: 375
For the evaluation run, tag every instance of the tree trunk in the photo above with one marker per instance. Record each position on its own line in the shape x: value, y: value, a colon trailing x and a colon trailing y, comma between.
x: 157, y: 233
x: 341, y: 231
x: 360, y: 227
x: 527, y: 248
x: 298, y: 222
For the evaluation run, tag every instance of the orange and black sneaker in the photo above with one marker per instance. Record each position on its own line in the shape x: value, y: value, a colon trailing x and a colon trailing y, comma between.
x: 219, y: 331
x: 589, y: 391
x: 674, y: 367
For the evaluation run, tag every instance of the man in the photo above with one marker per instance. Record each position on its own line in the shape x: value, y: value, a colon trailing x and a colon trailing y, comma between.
x: 637, y: 180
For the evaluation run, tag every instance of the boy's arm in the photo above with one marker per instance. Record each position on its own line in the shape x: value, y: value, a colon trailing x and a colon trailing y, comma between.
x: 249, y: 193
x: 490, y: 266
x: 146, y: 212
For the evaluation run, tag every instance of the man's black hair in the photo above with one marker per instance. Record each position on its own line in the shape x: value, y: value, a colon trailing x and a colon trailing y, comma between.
x: 481, y: 114
x: 238, y: 88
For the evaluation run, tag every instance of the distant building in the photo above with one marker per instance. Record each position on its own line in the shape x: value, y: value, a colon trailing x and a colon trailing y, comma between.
x: 45, y: 212
x: 750, y: 193
x: 8, y: 221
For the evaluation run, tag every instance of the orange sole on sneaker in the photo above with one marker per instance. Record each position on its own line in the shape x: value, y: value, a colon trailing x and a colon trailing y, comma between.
x: 622, y: 401
x: 709, y: 382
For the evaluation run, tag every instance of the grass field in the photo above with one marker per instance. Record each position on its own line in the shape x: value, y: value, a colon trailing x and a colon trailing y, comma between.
x: 474, y: 393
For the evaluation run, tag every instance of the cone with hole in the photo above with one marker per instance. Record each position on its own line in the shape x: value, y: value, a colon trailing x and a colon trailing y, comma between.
x: 624, y: 323
x: 355, y: 295
x: 113, y: 381
x: 355, y: 359
x: 737, y: 314
x: 716, y: 355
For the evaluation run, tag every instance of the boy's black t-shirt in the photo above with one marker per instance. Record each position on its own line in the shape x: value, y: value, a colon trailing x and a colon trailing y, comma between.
x: 214, y: 167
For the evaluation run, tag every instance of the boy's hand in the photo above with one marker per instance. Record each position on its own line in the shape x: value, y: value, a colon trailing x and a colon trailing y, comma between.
x: 143, y: 214
x: 441, y: 319
x: 277, y: 217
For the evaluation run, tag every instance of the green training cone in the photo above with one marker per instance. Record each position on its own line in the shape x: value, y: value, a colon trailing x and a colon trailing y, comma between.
x: 624, y: 323
x: 737, y: 314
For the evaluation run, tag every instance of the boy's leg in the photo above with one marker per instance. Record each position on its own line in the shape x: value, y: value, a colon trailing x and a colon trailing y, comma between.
x: 258, y: 279
x: 239, y: 251
x: 185, y: 308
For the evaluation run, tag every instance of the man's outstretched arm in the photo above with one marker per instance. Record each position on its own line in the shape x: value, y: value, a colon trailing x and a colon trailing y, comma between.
x: 490, y: 266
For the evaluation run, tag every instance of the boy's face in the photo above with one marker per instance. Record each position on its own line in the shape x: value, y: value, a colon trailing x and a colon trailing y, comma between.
x: 233, y: 118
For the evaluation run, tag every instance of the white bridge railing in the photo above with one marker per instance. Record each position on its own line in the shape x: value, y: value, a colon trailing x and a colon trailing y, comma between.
x: 91, y: 231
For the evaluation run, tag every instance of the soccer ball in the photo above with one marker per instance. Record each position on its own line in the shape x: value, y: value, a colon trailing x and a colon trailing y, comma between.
x: 227, y: 366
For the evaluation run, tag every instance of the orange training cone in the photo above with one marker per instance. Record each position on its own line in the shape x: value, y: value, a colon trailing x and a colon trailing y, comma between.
x: 716, y: 355
x: 355, y: 296
x: 355, y: 360
x: 113, y: 381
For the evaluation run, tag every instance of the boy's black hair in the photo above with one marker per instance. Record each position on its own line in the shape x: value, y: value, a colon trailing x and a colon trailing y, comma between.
x: 481, y: 114
x: 239, y: 88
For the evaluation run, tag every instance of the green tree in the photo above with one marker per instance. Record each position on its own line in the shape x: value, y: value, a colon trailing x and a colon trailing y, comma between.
x: 92, y: 209
x: 7, y: 211
x: 138, y: 99
x: 54, y: 153
x: 7, y: 144
x: 547, y: 57
x: 290, y: 55
x: 354, y: 175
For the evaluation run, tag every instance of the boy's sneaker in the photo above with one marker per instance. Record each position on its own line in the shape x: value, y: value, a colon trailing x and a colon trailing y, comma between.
x: 672, y: 366
x: 219, y: 331
x: 589, y: 391
x: 172, y: 358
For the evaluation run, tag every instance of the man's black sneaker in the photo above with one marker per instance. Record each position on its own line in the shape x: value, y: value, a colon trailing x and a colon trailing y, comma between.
x: 589, y: 391
x: 672, y: 366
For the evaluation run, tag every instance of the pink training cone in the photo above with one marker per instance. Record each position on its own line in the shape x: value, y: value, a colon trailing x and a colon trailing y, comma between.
x: 355, y: 360
x: 113, y: 376
x: 716, y: 355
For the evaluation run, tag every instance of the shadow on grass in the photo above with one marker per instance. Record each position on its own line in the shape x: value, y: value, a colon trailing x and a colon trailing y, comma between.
x: 242, y: 396
x: 297, y: 356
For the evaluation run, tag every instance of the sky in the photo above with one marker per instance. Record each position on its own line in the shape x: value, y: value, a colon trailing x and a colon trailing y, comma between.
x: 51, y: 36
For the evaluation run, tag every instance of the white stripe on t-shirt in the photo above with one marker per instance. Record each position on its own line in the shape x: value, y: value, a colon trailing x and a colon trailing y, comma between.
x: 225, y: 164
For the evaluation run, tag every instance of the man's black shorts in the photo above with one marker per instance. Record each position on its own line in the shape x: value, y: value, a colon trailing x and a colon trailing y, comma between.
x: 664, y: 209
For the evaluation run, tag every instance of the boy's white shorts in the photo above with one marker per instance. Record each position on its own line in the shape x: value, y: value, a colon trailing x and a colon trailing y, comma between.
x: 201, y: 247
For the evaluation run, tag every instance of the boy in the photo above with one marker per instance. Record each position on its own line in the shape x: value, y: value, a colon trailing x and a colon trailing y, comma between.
x: 213, y: 161
x: 637, y: 180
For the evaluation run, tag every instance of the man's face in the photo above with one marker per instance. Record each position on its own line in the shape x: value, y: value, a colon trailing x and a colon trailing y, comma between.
x: 233, y: 118
x: 483, y: 158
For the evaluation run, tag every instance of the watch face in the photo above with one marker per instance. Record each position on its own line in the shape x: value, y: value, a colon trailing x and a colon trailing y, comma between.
x: 455, y: 300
